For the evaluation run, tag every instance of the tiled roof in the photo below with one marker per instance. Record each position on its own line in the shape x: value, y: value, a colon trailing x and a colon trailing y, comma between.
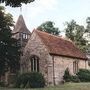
x: 20, y: 26
x: 60, y: 46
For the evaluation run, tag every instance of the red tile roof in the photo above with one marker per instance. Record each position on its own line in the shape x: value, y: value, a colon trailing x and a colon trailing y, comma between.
x: 60, y: 46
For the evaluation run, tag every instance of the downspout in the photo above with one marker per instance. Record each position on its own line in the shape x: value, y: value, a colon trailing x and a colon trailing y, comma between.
x: 85, y: 64
x: 53, y: 71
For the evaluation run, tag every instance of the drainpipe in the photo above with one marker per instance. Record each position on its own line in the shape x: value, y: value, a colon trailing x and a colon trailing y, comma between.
x: 85, y: 64
x: 53, y: 71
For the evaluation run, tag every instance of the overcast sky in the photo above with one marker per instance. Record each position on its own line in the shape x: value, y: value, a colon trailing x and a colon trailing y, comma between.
x: 57, y: 11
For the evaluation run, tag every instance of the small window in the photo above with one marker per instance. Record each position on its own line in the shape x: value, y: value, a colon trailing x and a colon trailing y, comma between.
x: 75, y: 67
x: 25, y: 36
x: 34, y: 64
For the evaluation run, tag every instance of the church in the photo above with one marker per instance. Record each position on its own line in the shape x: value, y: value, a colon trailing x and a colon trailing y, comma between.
x: 47, y: 54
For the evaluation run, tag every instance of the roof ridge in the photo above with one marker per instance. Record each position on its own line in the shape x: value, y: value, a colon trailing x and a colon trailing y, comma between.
x: 66, y: 39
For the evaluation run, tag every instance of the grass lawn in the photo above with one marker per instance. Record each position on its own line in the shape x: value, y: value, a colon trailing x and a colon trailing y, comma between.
x: 68, y: 86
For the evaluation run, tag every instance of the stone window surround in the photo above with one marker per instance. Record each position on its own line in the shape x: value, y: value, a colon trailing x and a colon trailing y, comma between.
x: 75, y: 67
x: 34, y: 63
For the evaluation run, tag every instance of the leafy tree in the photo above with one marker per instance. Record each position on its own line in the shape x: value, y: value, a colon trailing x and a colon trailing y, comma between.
x: 88, y: 24
x: 88, y: 33
x: 9, y: 52
x: 49, y: 28
x: 88, y: 28
x: 76, y: 33
x: 15, y: 3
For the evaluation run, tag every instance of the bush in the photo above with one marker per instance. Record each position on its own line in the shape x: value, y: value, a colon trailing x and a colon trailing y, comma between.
x: 67, y: 76
x: 2, y: 84
x: 11, y: 79
x: 30, y: 80
x: 75, y: 79
x: 84, y: 71
x: 84, y: 75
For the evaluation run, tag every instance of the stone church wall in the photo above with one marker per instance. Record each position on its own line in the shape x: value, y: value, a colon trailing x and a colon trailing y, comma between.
x: 36, y: 47
x: 61, y: 63
x: 52, y: 67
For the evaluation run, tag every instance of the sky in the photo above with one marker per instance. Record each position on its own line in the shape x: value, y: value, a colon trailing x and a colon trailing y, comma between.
x: 58, y: 11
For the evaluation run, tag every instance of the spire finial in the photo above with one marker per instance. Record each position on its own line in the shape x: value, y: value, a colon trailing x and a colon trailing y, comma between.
x: 21, y: 9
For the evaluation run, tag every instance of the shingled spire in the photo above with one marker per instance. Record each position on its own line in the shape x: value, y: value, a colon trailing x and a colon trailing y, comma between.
x: 20, y: 26
x: 20, y: 32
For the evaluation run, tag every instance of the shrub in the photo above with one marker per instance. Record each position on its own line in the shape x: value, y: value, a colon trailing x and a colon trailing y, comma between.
x: 11, y: 79
x: 2, y: 84
x: 67, y: 76
x: 84, y: 75
x: 75, y: 79
x: 30, y: 80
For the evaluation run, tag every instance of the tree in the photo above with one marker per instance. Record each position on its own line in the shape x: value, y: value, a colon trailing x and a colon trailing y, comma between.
x: 76, y: 33
x: 88, y: 27
x: 15, y: 3
x: 49, y: 28
x: 9, y: 51
x: 88, y: 24
x: 88, y: 33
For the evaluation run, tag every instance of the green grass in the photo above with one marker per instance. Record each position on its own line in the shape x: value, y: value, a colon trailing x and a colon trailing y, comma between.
x: 68, y: 86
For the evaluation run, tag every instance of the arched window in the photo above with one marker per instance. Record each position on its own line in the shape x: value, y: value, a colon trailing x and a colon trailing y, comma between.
x: 75, y: 67
x: 34, y: 63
